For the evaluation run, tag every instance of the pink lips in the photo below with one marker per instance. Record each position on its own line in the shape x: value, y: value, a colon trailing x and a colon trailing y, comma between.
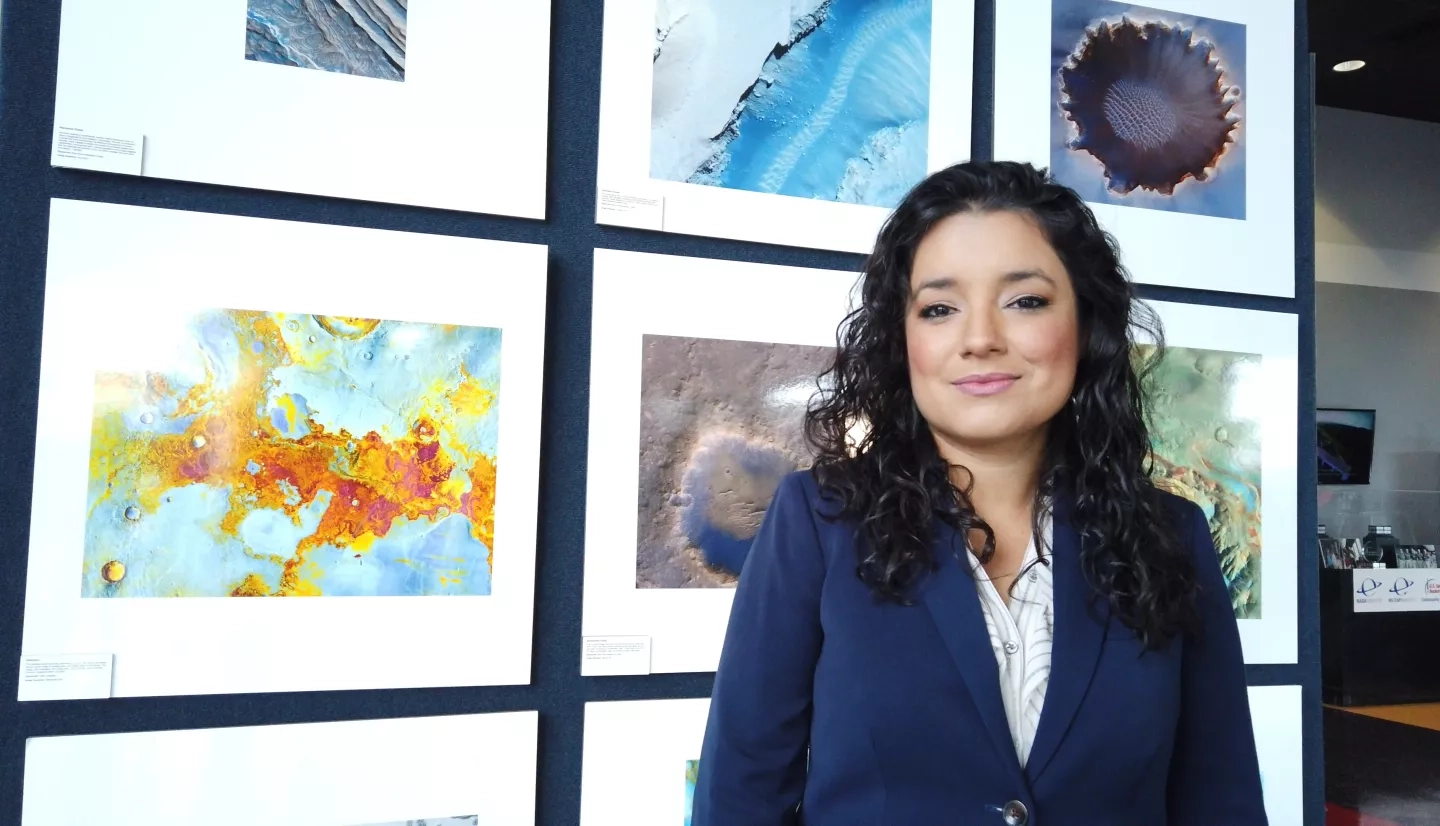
x: 987, y: 384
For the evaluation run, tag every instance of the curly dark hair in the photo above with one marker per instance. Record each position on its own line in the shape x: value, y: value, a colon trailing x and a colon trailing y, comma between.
x: 894, y: 482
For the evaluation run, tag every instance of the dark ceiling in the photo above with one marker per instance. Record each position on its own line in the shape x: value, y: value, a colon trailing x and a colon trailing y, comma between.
x: 1399, y: 40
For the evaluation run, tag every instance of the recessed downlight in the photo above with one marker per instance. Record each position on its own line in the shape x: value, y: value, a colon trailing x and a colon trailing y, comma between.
x: 1349, y: 65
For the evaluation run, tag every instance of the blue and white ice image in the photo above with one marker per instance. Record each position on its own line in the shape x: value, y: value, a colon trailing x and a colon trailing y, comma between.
x: 824, y: 99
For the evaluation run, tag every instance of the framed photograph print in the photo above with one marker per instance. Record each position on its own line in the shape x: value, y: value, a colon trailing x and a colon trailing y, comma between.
x: 1277, y: 712
x: 1174, y: 120
x: 1223, y: 405
x: 679, y: 401
x: 435, y: 103
x: 642, y: 758
x: 696, y: 416
x: 641, y: 761
x: 478, y: 770
x: 234, y: 410
x: 796, y: 122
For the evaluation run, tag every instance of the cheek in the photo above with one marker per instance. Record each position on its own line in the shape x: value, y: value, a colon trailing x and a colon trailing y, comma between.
x: 1056, y: 348
x: 926, y: 352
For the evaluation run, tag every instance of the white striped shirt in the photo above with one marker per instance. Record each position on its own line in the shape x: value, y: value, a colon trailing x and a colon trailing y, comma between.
x: 1021, y: 635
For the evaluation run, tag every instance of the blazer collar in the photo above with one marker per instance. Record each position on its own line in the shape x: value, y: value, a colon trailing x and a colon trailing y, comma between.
x: 1080, y: 622
x: 949, y: 594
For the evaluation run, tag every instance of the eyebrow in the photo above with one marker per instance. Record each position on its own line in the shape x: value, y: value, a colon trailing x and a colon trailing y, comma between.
x: 945, y: 283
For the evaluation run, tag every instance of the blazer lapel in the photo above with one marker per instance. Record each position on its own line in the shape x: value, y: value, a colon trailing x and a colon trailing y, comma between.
x: 1080, y: 621
x: 949, y: 594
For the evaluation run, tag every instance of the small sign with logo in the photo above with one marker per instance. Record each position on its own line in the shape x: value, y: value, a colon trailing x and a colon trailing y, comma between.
x: 1395, y: 589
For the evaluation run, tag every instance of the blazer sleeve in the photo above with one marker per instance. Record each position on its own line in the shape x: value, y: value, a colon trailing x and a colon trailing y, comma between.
x: 754, y: 759
x: 1214, y: 773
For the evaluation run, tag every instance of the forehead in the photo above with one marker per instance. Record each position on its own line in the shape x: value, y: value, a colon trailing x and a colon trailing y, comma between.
x: 985, y: 247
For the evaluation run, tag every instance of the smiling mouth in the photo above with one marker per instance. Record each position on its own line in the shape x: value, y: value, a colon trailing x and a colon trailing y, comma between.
x: 987, y: 385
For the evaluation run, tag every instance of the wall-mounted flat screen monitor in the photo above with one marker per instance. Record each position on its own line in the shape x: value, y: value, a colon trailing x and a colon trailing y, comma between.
x: 1345, y: 445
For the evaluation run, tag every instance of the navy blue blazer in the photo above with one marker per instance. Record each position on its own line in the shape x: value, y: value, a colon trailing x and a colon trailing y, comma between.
x: 897, y: 709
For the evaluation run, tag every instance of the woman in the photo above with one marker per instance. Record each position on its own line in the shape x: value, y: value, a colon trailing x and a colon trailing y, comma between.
x: 983, y: 612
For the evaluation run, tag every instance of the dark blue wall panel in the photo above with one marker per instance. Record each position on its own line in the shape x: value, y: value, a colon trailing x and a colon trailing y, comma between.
x: 28, y: 48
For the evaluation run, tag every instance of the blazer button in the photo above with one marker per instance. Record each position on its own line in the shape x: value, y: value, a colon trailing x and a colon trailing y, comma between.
x: 1015, y: 813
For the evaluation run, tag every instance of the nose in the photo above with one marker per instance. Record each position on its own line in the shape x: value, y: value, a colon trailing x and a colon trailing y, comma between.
x: 982, y: 333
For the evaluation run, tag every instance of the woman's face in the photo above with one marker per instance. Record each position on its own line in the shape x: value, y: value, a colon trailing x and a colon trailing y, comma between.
x: 992, y: 330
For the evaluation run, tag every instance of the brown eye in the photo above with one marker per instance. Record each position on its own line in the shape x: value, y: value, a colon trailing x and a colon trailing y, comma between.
x: 935, y: 311
x: 1030, y: 302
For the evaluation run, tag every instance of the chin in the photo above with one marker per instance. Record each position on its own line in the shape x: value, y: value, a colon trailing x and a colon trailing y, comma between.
x: 987, y: 430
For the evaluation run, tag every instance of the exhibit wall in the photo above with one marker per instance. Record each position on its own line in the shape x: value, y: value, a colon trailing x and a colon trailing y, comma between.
x: 1375, y: 242
x: 222, y: 235
x: 1359, y: 329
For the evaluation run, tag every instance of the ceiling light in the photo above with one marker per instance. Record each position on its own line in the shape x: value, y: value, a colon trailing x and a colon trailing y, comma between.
x: 1349, y: 65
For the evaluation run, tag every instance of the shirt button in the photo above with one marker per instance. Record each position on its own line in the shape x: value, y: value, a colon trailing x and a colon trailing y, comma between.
x: 1011, y: 646
x: 1014, y: 813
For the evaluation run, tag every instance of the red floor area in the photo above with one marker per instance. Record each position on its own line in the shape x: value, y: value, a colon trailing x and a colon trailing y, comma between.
x: 1341, y: 816
x: 1382, y: 766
